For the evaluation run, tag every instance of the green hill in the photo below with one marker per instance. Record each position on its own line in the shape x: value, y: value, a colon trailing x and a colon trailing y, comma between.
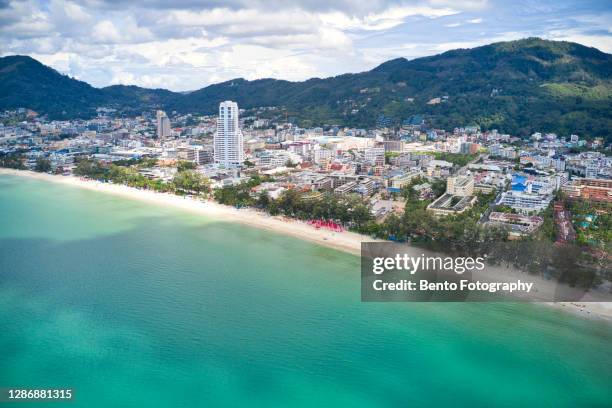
x: 517, y: 87
x: 26, y: 83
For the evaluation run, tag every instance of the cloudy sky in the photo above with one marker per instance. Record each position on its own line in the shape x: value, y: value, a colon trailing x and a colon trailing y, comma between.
x: 187, y: 44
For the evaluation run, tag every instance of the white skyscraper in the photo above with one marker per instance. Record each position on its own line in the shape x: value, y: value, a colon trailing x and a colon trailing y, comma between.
x: 229, y: 144
x: 163, y: 125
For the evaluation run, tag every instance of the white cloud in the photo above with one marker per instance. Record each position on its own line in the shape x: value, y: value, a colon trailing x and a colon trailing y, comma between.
x: 66, y: 12
x: 184, y: 44
x: 106, y: 32
x: 462, y: 4
x: 385, y: 19
x: 601, y: 42
x: 447, y: 46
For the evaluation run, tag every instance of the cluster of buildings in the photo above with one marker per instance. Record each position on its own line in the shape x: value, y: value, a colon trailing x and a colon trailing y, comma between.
x: 599, y: 190
x: 528, y: 193
x: 518, y: 225
x: 375, y: 164
x: 459, y: 196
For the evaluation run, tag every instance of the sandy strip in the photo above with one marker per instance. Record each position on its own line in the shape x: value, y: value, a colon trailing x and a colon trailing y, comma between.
x: 345, y: 241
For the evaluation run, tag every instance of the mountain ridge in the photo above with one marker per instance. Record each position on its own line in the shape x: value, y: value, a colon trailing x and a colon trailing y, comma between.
x: 517, y: 86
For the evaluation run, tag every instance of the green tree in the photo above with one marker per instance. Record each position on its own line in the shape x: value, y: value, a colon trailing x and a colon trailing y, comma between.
x: 12, y: 161
x: 91, y: 169
x: 43, y: 165
x: 191, y: 182
x: 263, y: 200
x: 185, y: 165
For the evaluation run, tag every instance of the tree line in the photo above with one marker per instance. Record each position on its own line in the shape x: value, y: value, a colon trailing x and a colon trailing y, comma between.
x: 461, y: 235
x: 186, y: 181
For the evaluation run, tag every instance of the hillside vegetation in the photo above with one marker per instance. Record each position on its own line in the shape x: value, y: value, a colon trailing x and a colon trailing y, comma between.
x: 517, y: 87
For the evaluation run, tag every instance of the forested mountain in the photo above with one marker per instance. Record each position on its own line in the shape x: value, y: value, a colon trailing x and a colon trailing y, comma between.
x: 517, y: 87
x: 26, y: 83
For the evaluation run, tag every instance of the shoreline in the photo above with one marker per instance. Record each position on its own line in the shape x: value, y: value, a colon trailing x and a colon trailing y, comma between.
x: 346, y: 241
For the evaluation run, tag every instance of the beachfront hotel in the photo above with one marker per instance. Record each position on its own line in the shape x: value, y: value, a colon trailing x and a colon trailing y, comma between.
x: 228, y: 141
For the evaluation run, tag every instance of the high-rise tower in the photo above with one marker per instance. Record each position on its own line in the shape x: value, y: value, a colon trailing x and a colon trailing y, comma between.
x: 163, y: 125
x: 229, y: 144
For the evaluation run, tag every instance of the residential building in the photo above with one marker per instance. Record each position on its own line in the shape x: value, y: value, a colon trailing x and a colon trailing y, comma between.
x: 589, y: 189
x: 365, y: 187
x: 525, y: 202
x: 462, y: 186
x: 395, y: 183
x: 423, y: 190
x: 518, y: 225
x: 163, y: 125
x: 228, y: 139
x: 346, y: 188
x: 448, y: 204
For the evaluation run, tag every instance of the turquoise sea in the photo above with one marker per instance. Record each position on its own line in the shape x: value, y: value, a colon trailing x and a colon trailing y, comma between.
x: 135, y: 305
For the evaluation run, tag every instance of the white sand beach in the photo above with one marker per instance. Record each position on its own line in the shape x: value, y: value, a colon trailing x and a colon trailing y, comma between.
x: 344, y: 241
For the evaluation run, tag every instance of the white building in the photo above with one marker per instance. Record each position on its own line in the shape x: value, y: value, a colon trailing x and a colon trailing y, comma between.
x: 374, y: 153
x: 401, y: 180
x: 163, y: 125
x: 196, y: 154
x: 278, y: 158
x: 228, y: 143
x: 525, y: 202
x: 322, y: 154
x: 462, y: 186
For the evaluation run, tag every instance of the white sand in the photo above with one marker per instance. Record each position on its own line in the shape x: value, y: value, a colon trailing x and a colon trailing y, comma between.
x: 344, y: 241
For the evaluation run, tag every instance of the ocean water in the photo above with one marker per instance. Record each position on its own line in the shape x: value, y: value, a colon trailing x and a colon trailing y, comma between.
x: 136, y: 305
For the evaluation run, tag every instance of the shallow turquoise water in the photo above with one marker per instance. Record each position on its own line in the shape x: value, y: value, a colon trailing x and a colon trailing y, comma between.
x: 132, y: 304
